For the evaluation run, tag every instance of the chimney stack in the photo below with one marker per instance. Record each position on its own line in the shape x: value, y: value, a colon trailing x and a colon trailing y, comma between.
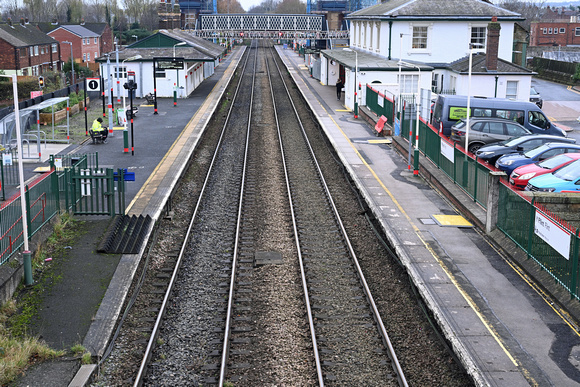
x: 492, y: 44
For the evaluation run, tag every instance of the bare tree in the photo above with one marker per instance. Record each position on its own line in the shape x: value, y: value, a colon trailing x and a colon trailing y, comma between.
x: 530, y: 10
x: 229, y: 6
x: 291, y: 7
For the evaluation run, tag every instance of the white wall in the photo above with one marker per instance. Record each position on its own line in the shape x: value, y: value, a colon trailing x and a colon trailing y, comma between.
x: 188, y: 79
x: 447, y: 40
x: 368, y: 77
x: 485, y: 85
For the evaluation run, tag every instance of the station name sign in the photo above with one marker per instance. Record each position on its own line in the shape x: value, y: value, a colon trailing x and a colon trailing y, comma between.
x: 170, y: 63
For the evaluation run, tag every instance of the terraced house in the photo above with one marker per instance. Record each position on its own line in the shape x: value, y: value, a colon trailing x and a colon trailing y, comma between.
x: 25, y: 50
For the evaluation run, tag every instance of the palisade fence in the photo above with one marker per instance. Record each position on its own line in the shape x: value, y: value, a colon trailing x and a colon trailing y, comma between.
x: 550, y: 242
x: 74, y: 183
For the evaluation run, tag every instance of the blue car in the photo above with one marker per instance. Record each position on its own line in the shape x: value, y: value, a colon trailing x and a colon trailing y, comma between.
x: 508, y: 163
x: 565, y: 179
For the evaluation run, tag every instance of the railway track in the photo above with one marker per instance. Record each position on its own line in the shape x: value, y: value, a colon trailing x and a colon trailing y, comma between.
x: 267, y: 288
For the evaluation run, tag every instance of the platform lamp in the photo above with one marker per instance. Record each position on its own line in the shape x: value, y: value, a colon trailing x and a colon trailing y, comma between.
x: 131, y: 85
x: 355, y: 80
x: 26, y: 253
x: 177, y: 74
x: 468, y: 113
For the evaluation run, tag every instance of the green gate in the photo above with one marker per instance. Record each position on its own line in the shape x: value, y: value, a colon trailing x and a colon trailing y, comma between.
x: 94, y: 191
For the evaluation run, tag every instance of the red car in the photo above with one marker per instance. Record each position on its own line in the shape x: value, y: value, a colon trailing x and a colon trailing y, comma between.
x: 520, y: 176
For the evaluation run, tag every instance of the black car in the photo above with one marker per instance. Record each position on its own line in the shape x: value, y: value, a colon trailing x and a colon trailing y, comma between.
x: 492, y: 152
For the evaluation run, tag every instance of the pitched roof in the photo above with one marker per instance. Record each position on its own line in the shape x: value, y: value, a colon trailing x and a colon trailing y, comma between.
x: 97, y: 28
x: 190, y: 54
x: 19, y: 35
x: 366, y: 61
x: 461, y: 66
x: 434, y: 10
x: 200, y: 44
x: 77, y: 30
x: 167, y: 39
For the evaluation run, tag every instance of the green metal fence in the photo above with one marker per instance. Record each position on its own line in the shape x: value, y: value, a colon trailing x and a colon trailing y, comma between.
x: 519, y: 218
x: 73, y: 186
x: 381, y: 104
x: 41, y: 199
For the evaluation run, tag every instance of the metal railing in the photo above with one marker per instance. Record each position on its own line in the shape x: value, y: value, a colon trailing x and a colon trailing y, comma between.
x: 73, y: 184
x: 521, y: 219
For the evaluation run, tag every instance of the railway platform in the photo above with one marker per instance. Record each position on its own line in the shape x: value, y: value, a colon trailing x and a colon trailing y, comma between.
x: 505, y: 331
x: 79, y: 309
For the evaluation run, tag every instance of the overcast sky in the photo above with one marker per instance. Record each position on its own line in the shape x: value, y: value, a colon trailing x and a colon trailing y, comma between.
x: 247, y: 4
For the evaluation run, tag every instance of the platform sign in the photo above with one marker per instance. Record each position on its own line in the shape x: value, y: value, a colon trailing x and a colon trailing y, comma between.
x: 93, y: 84
x: 7, y: 158
x: 553, y: 234
x: 170, y: 63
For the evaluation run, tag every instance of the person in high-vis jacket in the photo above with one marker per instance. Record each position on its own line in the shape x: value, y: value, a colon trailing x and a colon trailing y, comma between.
x: 98, y: 128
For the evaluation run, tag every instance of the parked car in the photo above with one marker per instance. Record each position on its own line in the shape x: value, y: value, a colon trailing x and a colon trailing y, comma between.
x: 508, y: 163
x: 449, y: 109
x: 535, y: 97
x: 565, y: 179
x: 484, y: 131
x: 521, y: 175
x: 492, y: 152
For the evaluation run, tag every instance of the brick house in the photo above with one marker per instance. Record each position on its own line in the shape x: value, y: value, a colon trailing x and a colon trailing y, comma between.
x: 557, y: 27
x: 105, y: 33
x: 25, y: 50
x: 85, y: 43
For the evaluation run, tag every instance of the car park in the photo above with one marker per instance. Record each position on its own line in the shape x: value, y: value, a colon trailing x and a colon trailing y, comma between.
x: 449, y: 109
x: 522, y: 175
x: 565, y: 179
x: 483, y: 131
x: 508, y: 163
x: 490, y: 153
x: 535, y: 97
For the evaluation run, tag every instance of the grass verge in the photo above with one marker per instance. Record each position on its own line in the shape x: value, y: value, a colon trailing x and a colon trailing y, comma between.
x: 17, y: 349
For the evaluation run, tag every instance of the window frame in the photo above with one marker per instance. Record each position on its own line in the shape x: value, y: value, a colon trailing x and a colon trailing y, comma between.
x: 417, y: 40
x: 507, y: 89
x: 480, y: 41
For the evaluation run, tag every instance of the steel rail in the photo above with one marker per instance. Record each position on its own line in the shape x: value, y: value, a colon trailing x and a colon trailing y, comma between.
x: 296, y: 238
x: 383, y: 332
x: 227, y: 331
x: 152, y: 339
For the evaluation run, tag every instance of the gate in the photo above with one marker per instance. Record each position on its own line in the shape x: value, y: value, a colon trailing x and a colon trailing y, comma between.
x: 97, y: 191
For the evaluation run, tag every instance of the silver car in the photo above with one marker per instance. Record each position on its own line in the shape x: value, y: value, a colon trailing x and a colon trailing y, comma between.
x: 486, y: 130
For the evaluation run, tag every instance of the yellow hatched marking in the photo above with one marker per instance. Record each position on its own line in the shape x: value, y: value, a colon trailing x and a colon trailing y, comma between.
x: 451, y: 220
x: 383, y: 141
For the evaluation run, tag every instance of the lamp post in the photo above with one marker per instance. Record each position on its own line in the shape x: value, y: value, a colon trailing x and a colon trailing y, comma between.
x: 125, y: 132
x: 355, y: 79
x: 417, y: 106
x: 26, y: 253
x: 177, y: 75
x: 72, y: 63
x: 468, y: 113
